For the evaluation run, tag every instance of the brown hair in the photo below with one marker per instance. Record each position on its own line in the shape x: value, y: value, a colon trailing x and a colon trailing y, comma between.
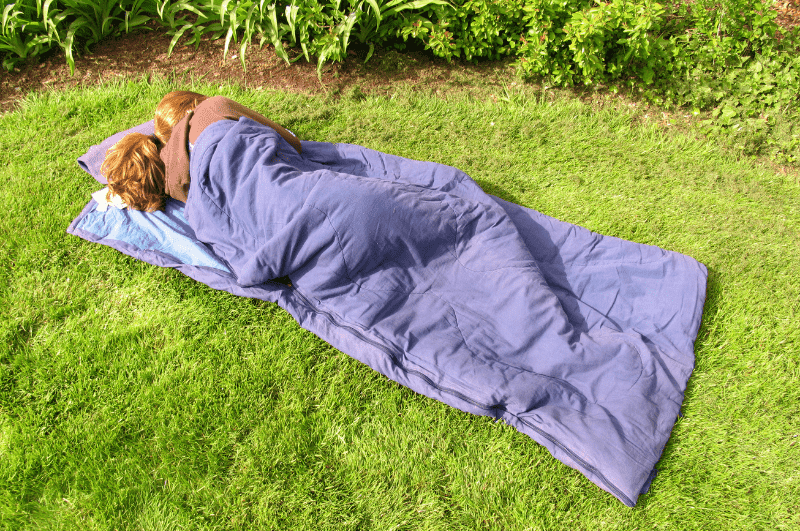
x: 135, y: 172
x: 133, y: 166
x: 171, y: 109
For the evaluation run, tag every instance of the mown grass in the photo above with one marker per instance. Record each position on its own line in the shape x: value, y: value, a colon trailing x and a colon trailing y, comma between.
x: 132, y: 397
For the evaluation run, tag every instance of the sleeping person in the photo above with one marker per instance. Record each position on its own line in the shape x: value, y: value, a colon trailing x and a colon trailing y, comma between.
x: 583, y: 342
x: 145, y: 169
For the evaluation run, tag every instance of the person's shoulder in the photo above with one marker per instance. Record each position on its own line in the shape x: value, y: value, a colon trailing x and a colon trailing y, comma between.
x: 223, y: 106
x: 214, y: 108
x: 219, y: 99
x: 216, y: 102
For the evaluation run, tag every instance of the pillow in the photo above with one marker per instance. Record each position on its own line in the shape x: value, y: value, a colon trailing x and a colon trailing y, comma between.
x: 161, y: 238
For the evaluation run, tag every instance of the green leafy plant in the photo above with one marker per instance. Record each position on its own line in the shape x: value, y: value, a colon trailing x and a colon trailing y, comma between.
x: 389, y: 14
x: 732, y: 60
x: 545, y: 47
x: 332, y: 45
x: 727, y: 57
x: 23, y: 33
x: 90, y: 22
x: 619, y: 37
x: 575, y: 41
x: 483, y: 28
x: 206, y: 13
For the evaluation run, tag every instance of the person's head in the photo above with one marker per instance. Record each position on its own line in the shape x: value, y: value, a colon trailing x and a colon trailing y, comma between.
x: 133, y: 166
x: 135, y: 172
x: 171, y: 109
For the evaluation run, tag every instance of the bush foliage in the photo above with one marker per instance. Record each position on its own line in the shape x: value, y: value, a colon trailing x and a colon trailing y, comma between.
x: 724, y: 56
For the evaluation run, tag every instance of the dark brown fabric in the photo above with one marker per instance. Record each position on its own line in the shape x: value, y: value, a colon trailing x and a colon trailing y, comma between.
x: 175, y: 153
x: 176, y: 161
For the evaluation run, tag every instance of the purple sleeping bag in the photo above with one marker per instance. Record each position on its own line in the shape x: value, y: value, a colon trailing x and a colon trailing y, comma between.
x: 583, y: 342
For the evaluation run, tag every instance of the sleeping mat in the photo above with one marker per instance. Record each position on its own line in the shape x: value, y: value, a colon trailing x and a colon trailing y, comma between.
x: 581, y: 341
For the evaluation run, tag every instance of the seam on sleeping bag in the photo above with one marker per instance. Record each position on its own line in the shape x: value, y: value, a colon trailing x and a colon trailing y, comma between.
x: 461, y: 396
x: 338, y: 242
x: 337, y: 320
x: 459, y: 232
x: 667, y: 352
x: 613, y: 488
x: 620, y: 336
x: 606, y: 262
x: 618, y: 330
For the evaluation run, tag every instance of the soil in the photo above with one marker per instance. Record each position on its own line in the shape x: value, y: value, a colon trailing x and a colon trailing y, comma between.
x: 144, y: 54
x: 788, y: 13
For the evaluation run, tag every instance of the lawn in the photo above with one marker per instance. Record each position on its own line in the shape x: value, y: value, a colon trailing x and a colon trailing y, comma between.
x: 132, y: 397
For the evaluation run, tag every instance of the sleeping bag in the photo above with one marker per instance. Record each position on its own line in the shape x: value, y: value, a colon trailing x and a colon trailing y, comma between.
x: 583, y: 342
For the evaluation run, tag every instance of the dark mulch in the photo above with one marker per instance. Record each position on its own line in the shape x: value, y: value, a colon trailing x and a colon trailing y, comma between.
x: 145, y: 54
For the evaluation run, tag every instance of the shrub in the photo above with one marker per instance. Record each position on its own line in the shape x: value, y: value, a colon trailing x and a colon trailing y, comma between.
x: 473, y: 29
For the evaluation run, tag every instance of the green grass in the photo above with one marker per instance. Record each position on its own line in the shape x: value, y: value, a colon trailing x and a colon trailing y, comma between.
x: 132, y: 397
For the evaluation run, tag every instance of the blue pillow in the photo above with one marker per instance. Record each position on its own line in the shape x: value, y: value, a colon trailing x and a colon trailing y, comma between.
x: 161, y: 238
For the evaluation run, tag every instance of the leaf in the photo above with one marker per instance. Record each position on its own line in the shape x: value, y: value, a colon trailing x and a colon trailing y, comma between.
x: 67, y: 45
x: 177, y: 36
x: 186, y: 6
x: 6, y: 14
x: 305, y: 51
x: 647, y: 75
x: 228, y: 37
x: 349, y: 22
x: 242, y: 50
x: 377, y: 10
x: 137, y: 20
x: 415, y: 4
x: 291, y: 18
x: 320, y: 63
x: 728, y: 112
x: 273, y: 33
x: 222, y: 10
